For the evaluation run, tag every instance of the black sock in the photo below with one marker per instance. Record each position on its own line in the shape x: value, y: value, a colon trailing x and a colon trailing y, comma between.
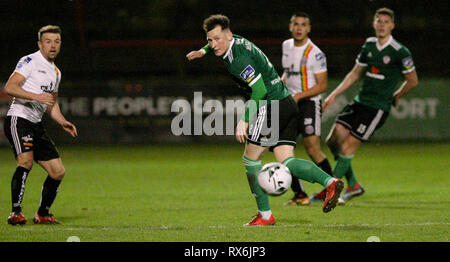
x: 49, y: 191
x: 297, y: 187
x: 325, y: 166
x: 18, y: 188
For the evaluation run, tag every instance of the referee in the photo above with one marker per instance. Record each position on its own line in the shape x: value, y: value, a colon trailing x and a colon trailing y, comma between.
x: 34, y: 87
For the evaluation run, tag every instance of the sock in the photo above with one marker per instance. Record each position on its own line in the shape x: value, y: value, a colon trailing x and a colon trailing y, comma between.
x: 265, y: 214
x: 297, y: 187
x: 18, y: 188
x: 350, y: 176
x: 306, y: 170
x: 252, y: 168
x: 325, y: 166
x: 49, y: 191
x: 343, y: 168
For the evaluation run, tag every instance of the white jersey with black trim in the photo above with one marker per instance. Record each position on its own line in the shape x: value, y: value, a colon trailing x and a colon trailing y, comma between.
x: 300, y: 63
x: 40, y: 76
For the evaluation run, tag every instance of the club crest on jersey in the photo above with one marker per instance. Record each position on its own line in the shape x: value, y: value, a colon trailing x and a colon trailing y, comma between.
x: 386, y: 59
x: 319, y: 56
x: 248, y: 74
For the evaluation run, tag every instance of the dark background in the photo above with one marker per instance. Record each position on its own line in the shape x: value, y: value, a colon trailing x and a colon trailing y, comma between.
x: 137, y: 49
x: 151, y: 38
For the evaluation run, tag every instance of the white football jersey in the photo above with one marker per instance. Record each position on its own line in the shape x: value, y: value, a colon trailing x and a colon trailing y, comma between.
x: 40, y: 76
x: 300, y: 63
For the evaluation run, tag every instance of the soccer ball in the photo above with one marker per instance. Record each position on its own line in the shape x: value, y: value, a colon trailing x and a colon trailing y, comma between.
x: 274, y: 179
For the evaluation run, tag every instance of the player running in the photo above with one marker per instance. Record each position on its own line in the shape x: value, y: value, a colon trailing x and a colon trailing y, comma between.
x: 382, y: 61
x: 256, y: 76
x: 34, y: 85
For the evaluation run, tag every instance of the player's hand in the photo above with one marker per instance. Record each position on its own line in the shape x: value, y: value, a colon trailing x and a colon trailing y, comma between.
x: 195, y: 54
x: 327, y: 103
x: 395, y: 101
x: 45, y: 98
x: 241, y: 131
x: 70, y: 128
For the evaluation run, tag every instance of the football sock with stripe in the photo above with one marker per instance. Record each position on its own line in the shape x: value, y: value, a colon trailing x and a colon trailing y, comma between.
x: 306, y: 170
x: 49, y: 192
x: 18, y: 188
x: 343, y: 168
x: 252, y: 168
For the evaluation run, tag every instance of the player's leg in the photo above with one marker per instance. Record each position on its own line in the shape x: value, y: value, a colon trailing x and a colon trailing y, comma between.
x: 252, y: 162
x: 312, y: 146
x: 56, y: 172
x: 307, y: 170
x: 48, y: 158
x: 20, y: 135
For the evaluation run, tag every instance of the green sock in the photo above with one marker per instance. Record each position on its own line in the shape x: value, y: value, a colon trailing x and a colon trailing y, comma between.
x: 343, y: 167
x: 350, y: 176
x: 252, y: 168
x: 306, y: 170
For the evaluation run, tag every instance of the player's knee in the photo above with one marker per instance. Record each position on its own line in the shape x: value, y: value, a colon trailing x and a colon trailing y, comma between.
x: 25, y: 163
x: 57, y: 173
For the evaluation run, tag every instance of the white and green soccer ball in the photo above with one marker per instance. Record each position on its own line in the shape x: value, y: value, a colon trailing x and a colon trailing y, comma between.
x: 274, y: 179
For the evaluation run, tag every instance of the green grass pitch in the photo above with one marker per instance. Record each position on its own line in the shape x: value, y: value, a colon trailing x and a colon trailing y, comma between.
x: 199, y: 193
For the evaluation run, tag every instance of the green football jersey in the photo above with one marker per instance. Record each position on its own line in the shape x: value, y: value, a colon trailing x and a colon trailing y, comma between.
x: 385, y: 66
x: 247, y: 64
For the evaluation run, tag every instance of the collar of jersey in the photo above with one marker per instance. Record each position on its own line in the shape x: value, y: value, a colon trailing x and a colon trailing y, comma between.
x: 229, y: 49
x: 385, y: 44
x: 43, y: 58
x: 305, y: 45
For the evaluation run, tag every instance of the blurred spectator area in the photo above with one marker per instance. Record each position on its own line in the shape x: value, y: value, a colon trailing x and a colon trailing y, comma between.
x: 140, y: 38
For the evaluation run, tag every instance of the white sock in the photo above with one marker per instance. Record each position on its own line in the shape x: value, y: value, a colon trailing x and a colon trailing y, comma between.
x: 331, y: 181
x: 265, y: 214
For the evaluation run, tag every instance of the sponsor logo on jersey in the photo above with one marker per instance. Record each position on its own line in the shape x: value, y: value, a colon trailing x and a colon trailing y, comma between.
x: 248, y: 74
x: 408, y: 62
x: 42, y: 71
x: 386, y: 59
x: 48, y: 88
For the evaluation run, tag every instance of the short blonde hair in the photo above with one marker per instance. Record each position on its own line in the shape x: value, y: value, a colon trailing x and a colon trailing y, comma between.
x: 385, y: 11
x: 49, y: 29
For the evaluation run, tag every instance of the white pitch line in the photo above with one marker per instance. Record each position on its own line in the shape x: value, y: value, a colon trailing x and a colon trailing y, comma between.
x: 164, y: 227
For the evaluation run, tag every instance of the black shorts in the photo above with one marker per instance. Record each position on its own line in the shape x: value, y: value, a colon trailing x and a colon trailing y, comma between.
x: 361, y: 120
x: 281, y: 131
x: 310, y: 117
x: 25, y: 136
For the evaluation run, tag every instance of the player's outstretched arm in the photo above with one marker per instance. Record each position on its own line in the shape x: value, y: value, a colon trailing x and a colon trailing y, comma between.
x: 195, y: 54
x: 198, y: 53
x: 353, y: 76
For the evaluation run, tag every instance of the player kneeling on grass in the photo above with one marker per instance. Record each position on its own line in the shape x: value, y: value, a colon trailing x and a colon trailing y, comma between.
x: 34, y: 86
x: 251, y: 69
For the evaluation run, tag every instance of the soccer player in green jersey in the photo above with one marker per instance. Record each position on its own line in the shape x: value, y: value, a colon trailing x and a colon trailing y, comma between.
x: 382, y: 62
x: 254, y: 73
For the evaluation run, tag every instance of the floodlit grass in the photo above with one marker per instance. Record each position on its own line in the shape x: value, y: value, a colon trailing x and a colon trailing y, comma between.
x: 199, y: 193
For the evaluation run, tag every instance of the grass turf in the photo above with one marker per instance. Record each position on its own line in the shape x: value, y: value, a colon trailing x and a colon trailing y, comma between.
x: 199, y: 193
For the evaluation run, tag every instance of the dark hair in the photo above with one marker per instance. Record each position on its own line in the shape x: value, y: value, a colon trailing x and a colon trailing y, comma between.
x: 385, y: 11
x: 214, y: 20
x: 49, y: 29
x: 301, y: 14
